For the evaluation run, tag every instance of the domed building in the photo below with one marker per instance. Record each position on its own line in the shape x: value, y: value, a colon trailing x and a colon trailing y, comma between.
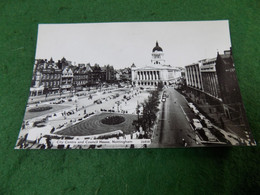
x: 156, y: 72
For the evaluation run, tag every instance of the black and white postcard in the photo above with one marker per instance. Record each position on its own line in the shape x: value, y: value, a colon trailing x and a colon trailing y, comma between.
x: 134, y: 85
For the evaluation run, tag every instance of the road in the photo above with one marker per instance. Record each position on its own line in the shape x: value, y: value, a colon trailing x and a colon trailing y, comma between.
x: 174, y: 125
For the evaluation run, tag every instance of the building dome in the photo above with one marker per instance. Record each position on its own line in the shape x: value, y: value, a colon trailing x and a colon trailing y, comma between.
x: 157, y: 47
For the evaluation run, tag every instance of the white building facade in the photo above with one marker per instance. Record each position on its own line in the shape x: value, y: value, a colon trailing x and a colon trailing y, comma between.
x: 156, y: 72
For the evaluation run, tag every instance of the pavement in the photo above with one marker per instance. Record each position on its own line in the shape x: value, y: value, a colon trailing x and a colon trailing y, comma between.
x: 83, y: 105
x: 234, y: 132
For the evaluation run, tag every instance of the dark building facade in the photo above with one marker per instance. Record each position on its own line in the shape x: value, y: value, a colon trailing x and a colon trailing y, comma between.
x: 110, y: 73
x: 80, y: 78
x: 50, y: 77
x: 230, y: 92
x: 46, y: 78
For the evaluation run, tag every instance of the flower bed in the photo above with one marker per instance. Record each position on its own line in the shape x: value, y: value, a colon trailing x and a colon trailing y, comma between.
x: 40, y: 109
x: 113, y: 120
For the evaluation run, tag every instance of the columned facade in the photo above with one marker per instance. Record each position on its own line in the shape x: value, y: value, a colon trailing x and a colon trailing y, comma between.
x: 193, y: 76
x: 156, y: 72
x: 146, y: 77
x: 203, y: 76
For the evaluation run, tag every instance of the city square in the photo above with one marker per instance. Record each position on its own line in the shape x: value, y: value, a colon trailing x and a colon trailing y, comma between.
x: 154, y: 105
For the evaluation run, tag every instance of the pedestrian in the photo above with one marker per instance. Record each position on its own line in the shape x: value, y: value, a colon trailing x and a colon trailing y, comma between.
x: 23, y: 125
x: 52, y: 130
x: 48, y: 142
x: 20, y: 142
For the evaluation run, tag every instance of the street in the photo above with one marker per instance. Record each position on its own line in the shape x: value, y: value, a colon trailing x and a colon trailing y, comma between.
x: 173, y: 124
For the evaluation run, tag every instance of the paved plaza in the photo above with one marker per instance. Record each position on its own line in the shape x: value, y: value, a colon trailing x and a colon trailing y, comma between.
x: 124, y: 103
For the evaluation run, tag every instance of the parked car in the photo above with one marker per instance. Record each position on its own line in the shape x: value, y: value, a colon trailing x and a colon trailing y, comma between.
x: 209, y: 135
x: 98, y: 101
x: 59, y: 102
x: 164, y: 99
x: 208, y: 123
x: 195, y: 111
x: 202, y: 117
x: 196, y: 124
x: 191, y: 105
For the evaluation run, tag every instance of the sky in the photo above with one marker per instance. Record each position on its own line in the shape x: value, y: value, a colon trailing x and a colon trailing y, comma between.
x: 122, y: 44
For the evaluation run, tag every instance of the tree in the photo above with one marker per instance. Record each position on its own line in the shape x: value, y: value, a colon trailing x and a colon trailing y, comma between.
x: 160, y: 86
x: 150, y: 109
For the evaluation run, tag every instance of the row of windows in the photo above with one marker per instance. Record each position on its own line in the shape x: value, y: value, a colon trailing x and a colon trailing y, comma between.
x: 51, y: 76
x: 51, y: 84
x: 81, y: 82
x: 81, y: 77
x: 66, y: 82
x: 68, y: 74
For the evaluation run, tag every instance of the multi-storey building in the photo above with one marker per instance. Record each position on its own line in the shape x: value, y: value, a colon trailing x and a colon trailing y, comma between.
x: 46, y: 78
x: 230, y: 92
x: 66, y: 79
x: 95, y: 76
x: 125, y: 74
x: 50, y: 77
x: 157, y: 72
x: 80, y: 78
x: 110, y: 73
x: 216, y: 77
x: 209, y: 77
x: 193, y: 76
